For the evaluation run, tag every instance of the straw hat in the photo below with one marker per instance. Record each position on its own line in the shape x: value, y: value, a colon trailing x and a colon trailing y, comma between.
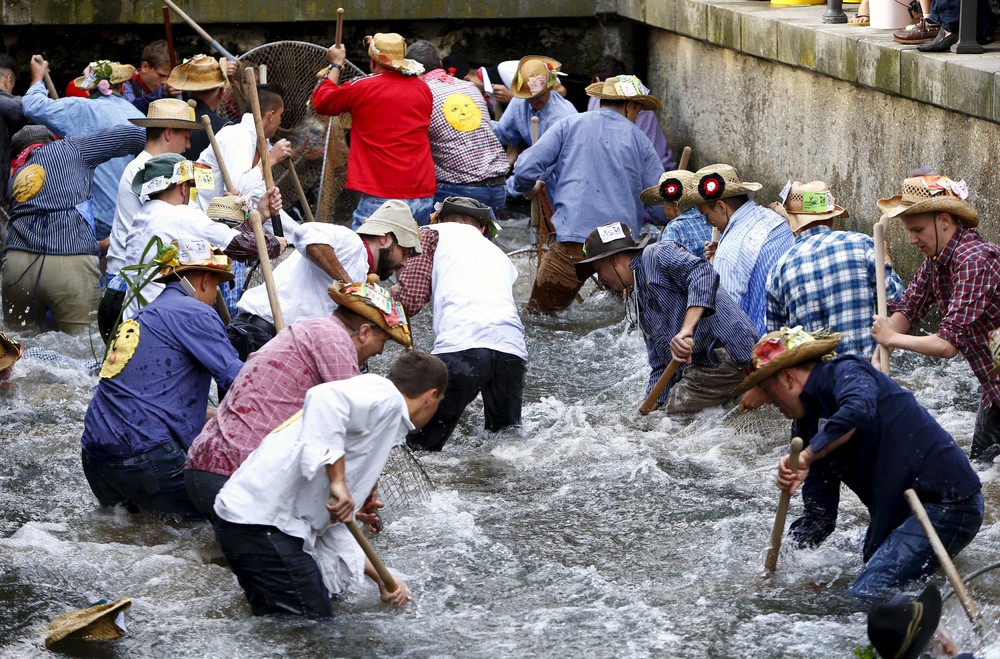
x: 394, y: 217
x: 376, y: 304
x: 10, y: 351
x: 162, y: 171
x: 604, y: 241
x: 783, y: 349
x: 95, y: 72
x: 929, y: 194
x: 676, y: 186
x: 169, y: 113
x: 389, y: 50
x: 902, y: 627
x: 229, y: 210
x: 95, y: 623
x: 534, y: 74
x: 624, y: 88
x: 807, y: 203
x: 721, y: 182
x: 198, y: 74
x: 184, y: 256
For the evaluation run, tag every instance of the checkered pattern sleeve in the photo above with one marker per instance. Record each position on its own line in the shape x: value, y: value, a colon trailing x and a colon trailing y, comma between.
x: 917, y: 297
x: 414, y: 289
x: 974, y: 281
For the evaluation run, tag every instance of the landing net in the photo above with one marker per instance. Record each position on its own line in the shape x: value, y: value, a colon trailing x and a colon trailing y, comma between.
x: 404, y: 482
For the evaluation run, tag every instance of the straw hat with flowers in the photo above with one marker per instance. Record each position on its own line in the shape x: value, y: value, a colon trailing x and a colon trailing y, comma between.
x: 721, y: 181
x: 389, y: 50
x: 374, y: 303
x: 10, y: 351
x: 932, y: 194
x: 104, y: 74
x: 534, y: 74
x: 676, y: 186
x: 784, y: 349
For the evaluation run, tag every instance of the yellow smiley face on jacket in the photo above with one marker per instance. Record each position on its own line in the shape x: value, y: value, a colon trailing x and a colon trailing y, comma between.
x: 461, y: 113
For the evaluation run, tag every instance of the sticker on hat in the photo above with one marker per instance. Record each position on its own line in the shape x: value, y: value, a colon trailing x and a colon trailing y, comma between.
x: 610, y: 232
x: 630, y: 86
x: 817, y: 202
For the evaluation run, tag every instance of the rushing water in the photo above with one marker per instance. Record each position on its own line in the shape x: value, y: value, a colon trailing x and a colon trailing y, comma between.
x: 591, y: 531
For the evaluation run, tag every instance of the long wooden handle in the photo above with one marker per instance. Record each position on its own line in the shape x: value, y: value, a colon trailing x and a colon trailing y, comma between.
x: 383, y: 573
x: 228, y: 182
x: 942, y: 555
x: 170, y: 36
x: 685, y: 158
x: 340, y: 26
x: 778, y: 530
x: 883, y: 309
x: 53, y: 92
x: 301, y: 192
x: 265, y: 160
x: 649, y: 404
x: 197, y: 28
x: 265, y: 270
x: 222, y: 309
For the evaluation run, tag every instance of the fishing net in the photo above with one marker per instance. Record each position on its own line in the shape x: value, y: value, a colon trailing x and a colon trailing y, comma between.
x: 766, y: 423
x: 404, y: 482
x: 984, y: 589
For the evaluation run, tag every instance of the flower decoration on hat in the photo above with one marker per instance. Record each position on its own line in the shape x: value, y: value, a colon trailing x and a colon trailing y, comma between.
x: 100, y: 72
x: 937, y: 184
x: 166, y: 257
x: 711, y: 186
x: 671, y: 189
x: 784, y: 340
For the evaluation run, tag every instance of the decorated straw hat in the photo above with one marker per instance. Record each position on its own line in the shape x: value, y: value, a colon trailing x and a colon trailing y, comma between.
x: 169, y: 113
x: 473, y: 208
x: 229, y: 210
x: 534, y: 74
x: 902, y: 627
x: 184, y: 256
x: 376, y: 304
x: 604, y: 241
x: 162, y: 171
x: 929, y: 194
x: 95, y: 72
x: 198, y: 74
x: 101, y: 622
x: 395, y: 217
x: 389, y: 50
x: 624, y: 88
x: 807, y: 203
x: 721, y: 182
x: 10, y: 351
x: 676, y: 186
x: 784, y: 349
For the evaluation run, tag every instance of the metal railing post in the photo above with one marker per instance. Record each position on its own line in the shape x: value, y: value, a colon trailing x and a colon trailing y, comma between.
x: 834, y: 12
x: 967, y: 24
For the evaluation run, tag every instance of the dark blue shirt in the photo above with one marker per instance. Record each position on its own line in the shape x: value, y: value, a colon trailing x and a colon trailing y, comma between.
x: 161, y: 394
x: 897, y: 446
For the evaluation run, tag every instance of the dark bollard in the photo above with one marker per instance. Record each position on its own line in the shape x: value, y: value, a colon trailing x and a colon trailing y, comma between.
x: 967, y: 21
x: 834, y: 12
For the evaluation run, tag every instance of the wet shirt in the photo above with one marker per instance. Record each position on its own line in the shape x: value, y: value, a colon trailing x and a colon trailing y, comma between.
x: 53, y: 219
x: 170, y: 351
x: 602, y: 163
x: 463, y: 145
x: 668, y: 280
x: 271, y: 388
x: 827, y: 279
x: 689, y: 229
x: 390, y: 154
x: 964, y: 280
x: 897, y: 445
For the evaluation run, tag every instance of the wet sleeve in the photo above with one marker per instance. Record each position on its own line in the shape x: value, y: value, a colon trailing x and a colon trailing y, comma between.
x: 820, y: 498
x: 205, y: 337
x: 856, y: 392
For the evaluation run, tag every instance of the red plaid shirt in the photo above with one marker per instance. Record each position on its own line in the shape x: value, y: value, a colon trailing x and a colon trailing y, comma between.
x: 270, y: 388
x: 965, y: 282
x: 414, y: 289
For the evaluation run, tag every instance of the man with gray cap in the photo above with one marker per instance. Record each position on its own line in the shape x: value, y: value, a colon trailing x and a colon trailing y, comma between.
x: 323, y: 253
x: 477, y: 330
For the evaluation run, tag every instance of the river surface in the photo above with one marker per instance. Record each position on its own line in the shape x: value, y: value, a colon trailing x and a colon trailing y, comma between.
x: 591, y: 531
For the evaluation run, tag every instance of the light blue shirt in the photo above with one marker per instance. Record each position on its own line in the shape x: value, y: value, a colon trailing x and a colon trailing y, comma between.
x: 602, y: 161
x: 514, y: 127
x: 68, y: 117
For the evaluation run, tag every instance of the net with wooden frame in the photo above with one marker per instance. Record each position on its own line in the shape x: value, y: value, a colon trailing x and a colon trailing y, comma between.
x: 404, y: 482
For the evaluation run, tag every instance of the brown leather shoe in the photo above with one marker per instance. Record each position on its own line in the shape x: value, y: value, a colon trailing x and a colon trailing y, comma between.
x: 919, y: 31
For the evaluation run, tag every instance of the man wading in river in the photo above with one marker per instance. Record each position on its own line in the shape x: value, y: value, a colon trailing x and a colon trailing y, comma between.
x: 865, y: 431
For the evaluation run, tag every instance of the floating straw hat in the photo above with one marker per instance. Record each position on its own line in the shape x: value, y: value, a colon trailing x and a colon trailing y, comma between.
x: 807, y: 203
x: 624, y: 88
x: 198, y: 74
x: 95, y: 623
x: 376, y: 304
x: 11, y: 351
x: 784, y: 349
x: 929, y: 194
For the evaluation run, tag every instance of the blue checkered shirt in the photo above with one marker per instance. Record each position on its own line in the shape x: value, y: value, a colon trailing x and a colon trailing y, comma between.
x: 689, y: 229
x: 827, y: 279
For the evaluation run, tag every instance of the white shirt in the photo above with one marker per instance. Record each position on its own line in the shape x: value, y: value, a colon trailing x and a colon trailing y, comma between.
x: 284, y: 481
x: 169, y: 222
x: 127, y: 205
x: 301, y: 284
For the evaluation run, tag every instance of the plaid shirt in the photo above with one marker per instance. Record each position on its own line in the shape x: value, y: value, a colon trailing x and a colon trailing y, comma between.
x: 965, y: 282
x: 462, y: 156
x: 270, y: 388
x: 415, y: 279
x: 689, y: 229
x: 827, y: 279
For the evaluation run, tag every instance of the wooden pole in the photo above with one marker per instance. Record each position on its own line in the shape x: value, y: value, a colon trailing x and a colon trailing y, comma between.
x: 943, y: 558
x: 649, y: 404
x: 298, y: 189
x: 265, y: 271
x: 265, y: 161
x: 383, y: 573
x: 536, y: 208
x: 340, y: 26
x: 685, y: 158
x: 778, y: 530
x: 197, y: 28
x: 883, y: 352
x: 53, y: 92
x: 228, y: 182
x: 170, y: 36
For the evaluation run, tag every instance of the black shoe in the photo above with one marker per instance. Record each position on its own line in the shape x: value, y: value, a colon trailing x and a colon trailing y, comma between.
x: 942, y: 43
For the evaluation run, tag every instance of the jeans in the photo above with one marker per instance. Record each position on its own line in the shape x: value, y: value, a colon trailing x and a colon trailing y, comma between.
x: 202, y: 487
x: 421, y: 207
x: 494, y: 196
x: 986, y: 436
x: 906, y: 554
x: 276, y: 574
x: 946, y: 13
x: 153, y: 480
x: 497, y: 375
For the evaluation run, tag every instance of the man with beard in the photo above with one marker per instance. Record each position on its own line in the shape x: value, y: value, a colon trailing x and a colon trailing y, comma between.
x: 325, y: 252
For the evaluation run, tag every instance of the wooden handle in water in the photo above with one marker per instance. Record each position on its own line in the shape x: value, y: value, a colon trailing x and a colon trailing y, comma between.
x: 778, y: 530
x: 265, y: 160
x: 649, y: 404
x: 265, y: 270
x: 883, y: 309
x: 383, y: 572
x: 228, y: 182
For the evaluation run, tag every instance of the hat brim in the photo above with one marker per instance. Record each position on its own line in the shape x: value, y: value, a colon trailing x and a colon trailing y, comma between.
x: 798, y: 221
x: 73, y: 622
x: 645, y: 100
x: 375, y: 227
x: 185, y: 84
x: 966, y: 214
x: 585, y: 268
x: 787, y: 359
x: 400, y: 334
x: 183, y: 124
x: 224, y: 275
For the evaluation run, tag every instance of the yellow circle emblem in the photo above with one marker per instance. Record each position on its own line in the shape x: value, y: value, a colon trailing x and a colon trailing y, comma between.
x: 121, y: 350
x: 462, y: 113
x: 27, y: 183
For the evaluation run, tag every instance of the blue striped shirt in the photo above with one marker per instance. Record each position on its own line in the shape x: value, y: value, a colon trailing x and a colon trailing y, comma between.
x: 51, y: 222
x: 69, y: 117
x: 827, y: 279
x: 689, y: 229
x: 668, y: 280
